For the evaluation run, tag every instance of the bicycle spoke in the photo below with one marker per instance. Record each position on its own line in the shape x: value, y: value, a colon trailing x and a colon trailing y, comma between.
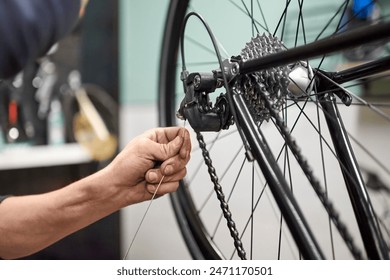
x: 262, y: 15
x: 200, y: 164
x: 282, y: 18
x: 229, y: 197
x: 222, y: 177
x: 247, y: 12
x: 252, y: 211
x: 301, y: 117
x: 299, y: 23
x: 324, y: 176
x: 277, y: 216
x: 361, y: 100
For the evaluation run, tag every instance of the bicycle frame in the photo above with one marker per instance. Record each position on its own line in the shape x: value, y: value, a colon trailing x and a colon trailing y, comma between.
x: 289, y: 206
x: 321, y: 47
x: 259, y: 149
x: 366, y: 218
x: 279, y: 187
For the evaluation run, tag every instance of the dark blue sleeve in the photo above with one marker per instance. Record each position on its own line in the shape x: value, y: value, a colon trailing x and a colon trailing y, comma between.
x: 28, y: 28
x: 2, y: 197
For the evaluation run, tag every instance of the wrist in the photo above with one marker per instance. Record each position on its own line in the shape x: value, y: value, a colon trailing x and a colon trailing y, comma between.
x: 102, y: 189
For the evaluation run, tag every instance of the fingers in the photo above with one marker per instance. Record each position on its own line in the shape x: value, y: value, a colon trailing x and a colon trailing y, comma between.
x: 161, y: 152
x: 154, y: 176
x: 164, y: 188
x: 171, y: 146
x: 168, y: 183
x: 168, y: 143
x: 167, y: 134
x: 164, y: 135
x: 174, y: 164
x: 172, y: 168
x: 186, y: 146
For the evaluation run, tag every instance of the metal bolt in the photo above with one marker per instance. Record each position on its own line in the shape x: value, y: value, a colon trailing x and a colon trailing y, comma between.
x: 235, y: 68
x: 197, y: 81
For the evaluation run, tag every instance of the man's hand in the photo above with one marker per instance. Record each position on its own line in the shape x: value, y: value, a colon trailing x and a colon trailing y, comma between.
x: 139, y: 168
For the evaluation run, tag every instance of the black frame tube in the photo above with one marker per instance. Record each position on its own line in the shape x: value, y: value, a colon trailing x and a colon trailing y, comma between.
x: 365, y: 216
x: 361, y: 71
x: 324, y: 46
x: 275, y: 179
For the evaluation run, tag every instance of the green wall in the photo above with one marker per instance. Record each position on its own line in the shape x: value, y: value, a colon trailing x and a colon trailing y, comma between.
x: 142, y: 23
x: 141, y: 29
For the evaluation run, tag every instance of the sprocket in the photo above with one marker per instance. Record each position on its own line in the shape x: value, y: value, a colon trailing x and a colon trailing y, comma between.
x: 274, y: 80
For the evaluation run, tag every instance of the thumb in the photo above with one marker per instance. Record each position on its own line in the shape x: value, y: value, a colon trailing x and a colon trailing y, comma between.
x: 164, y: 151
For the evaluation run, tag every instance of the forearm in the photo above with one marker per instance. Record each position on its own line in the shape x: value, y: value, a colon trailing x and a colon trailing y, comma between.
x: 31, y: 223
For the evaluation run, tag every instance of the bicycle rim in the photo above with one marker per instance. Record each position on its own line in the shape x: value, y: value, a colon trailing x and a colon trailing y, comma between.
x: 262, y: 228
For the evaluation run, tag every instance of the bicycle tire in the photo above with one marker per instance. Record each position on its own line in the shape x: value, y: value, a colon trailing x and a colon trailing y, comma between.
x: 200, y: 241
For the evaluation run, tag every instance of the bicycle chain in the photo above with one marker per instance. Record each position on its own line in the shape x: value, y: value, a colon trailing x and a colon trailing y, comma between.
x: 221, y: 197
x: 328, y: 205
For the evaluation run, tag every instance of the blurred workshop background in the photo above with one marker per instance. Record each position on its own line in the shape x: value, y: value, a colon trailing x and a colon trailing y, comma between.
x: 117, y: 48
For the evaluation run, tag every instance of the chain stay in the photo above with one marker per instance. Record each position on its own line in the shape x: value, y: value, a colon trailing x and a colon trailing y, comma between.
x: 322, y: 195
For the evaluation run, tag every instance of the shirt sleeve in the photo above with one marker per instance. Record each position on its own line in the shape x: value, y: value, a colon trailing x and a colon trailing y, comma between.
x: 29, y: 28
x: 2, y: 197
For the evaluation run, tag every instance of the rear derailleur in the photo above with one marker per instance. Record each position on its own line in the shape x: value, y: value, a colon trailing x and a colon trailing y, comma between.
x: 197, y: 107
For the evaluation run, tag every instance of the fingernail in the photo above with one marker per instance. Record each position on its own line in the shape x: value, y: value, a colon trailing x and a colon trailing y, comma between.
x: 168, y: 170
x: 151, y: 189
x: 153, y: 176
x: 179, y: 139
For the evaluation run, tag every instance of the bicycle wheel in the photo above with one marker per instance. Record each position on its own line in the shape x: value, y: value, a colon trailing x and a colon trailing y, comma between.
x: 258, y: 221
